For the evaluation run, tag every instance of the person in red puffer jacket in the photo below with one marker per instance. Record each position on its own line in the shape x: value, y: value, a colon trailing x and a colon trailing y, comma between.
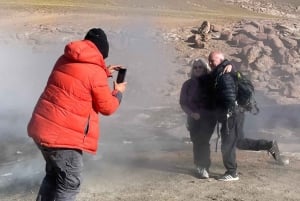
x: 65, y: 119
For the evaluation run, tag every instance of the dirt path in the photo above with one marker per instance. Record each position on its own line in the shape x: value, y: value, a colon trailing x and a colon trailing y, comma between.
x: 143, y: 158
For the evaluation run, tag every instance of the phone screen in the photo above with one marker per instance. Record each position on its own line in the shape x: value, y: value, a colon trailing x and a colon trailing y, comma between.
x: 121, y: 75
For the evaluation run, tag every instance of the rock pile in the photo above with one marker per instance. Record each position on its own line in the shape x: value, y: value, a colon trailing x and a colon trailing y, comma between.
x: 269, y: 52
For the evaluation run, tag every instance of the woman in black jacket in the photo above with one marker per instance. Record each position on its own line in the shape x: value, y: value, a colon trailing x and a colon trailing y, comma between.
x: 196, y: 103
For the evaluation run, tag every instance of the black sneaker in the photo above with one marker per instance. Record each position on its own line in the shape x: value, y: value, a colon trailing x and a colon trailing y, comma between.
x: 274, y: 151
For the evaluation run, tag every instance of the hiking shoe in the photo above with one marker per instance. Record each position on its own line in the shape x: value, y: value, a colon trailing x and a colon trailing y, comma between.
x: 229, y: 177
x: 202, y: 173
x: 274, y: 151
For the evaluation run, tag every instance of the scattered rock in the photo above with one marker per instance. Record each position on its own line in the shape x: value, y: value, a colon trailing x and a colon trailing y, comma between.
x: 204, y: 28
x: 293, y: 90
x: 191, y: 39
x: 216, y: 28
x: 264, y: 63
x: 288, y: 42
x: 274, y: 41
x: 267, y: 50
x: 226, y: 35
x: 253, y: 54
x: 242, y: 40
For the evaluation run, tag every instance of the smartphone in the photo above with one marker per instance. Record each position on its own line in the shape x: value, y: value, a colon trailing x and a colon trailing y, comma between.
x: 121, y: 75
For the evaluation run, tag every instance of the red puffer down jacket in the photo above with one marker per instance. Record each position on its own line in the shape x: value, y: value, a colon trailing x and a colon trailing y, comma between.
x: 66, y: 114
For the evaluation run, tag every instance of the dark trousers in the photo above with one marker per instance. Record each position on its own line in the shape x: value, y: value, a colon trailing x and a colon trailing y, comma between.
x: 63, y: 174
x: 232, y: 134
x: 200, y: 132
x: 229, y: 136
x: 247, y: 143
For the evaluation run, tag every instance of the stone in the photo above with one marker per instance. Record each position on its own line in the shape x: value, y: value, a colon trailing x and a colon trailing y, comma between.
x: 288, y: 42
x: 216, y: 28
x: 191, y: 39
x: 281, y: 55
x: 242, y: 40
x: 261, y: 36
x: 199, y: 44
x: 204, y: 28
x: 269, y: 29
x: 294, y: 90
x: 264, y: 63
x: 253, y: 53
x: 274, y: 41
x: 267, y: 50
x: 226, y: 35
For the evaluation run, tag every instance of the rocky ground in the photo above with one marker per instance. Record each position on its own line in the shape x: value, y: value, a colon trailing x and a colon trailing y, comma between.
x: 143, y: 152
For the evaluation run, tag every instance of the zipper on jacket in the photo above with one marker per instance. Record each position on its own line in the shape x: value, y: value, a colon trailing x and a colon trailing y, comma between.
x: 87, y: 126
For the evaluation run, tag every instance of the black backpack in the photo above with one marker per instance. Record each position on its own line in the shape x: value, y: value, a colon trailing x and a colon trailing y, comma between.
x: 245, y: 93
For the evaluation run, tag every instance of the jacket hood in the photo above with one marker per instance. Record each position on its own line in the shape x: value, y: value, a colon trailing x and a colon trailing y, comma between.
x: 84, y: 51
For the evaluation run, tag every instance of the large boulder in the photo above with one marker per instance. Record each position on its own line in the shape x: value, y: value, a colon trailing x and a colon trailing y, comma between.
x: 294, y: 53
x: 283, y: 71
x: 261, y: 36
x: 253, y: 54
x: 293, y: 90
x: 206, y: 37
x: 250, y: 28
x: 263, y: 64
x: 274, y: 41
x: 199, y: 43
x: 259, y: 26
x: 204, y: 28
x: 289, y: 43
x: 268, y: 29
x: 216, y: 28
x: 191, y: 39
x: 267, y: 50
x: 281, y: 55
x: 286, y: 29
x: 226, y: 35
x: 274, y: 85
x: 242, y: 40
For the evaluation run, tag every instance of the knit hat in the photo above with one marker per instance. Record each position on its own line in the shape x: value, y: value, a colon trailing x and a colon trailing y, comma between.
x: 98, y: 37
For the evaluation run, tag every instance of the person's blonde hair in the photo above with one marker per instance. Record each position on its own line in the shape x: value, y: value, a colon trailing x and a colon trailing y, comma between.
x: 200, y: 62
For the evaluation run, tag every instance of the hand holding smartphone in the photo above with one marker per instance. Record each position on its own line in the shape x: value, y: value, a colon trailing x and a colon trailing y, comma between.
x: 121, y: 75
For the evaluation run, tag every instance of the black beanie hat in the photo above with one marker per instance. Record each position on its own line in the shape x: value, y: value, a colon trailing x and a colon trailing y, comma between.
x: 98, y: 37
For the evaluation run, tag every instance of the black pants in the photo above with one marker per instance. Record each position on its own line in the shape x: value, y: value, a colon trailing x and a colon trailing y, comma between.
x: 200, y: 132
x: 232, y: 135
x: 229, y: 137
x: 63, y: 174
x: 247, y: 143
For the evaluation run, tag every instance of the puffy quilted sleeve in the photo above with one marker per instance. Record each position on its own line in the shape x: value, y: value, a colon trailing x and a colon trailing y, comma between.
x: 226, y: 90
x: 105, y: 101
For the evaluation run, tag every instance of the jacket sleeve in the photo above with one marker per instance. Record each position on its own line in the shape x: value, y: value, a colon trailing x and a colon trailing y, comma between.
x: 183, y: 101
x: 226, y: 90
x: 105, y: 101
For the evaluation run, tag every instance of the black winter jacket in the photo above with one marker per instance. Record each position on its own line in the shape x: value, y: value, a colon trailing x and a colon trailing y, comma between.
x: 225, y: 89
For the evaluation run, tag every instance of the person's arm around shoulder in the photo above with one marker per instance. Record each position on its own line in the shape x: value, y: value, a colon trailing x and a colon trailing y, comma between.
x: 226, y: 66
x: 106, y: 101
